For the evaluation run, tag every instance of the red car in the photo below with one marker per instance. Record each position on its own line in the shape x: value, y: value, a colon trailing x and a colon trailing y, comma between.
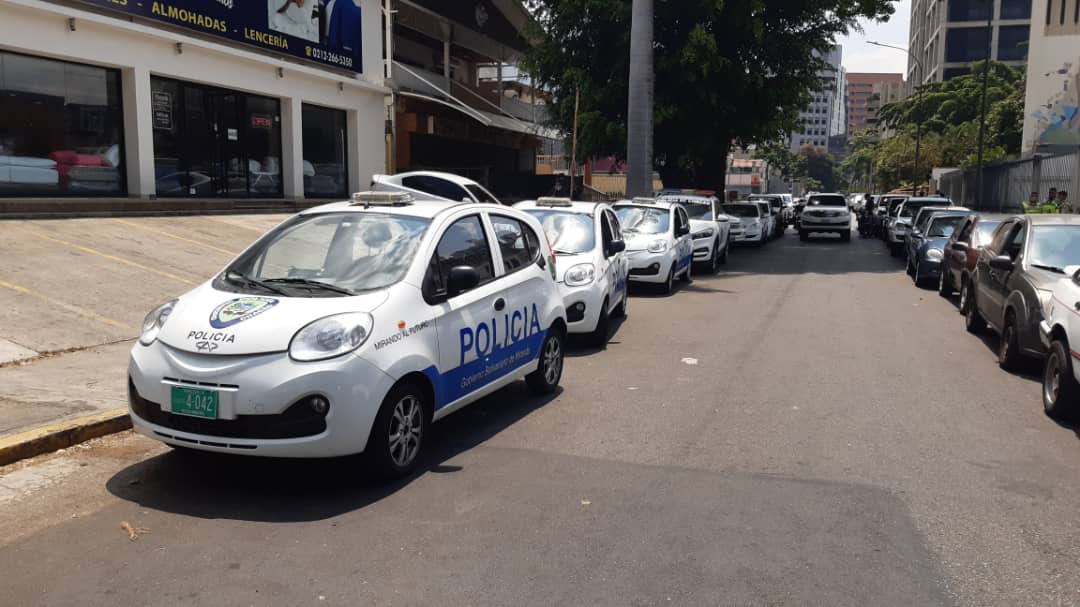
x: 962, y: 250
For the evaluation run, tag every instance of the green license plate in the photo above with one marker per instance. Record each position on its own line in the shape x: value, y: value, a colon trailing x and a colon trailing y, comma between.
x: 193, y: 402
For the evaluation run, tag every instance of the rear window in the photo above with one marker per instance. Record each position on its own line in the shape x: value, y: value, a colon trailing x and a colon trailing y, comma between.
x: 827, y: 200
x: 740, y: 210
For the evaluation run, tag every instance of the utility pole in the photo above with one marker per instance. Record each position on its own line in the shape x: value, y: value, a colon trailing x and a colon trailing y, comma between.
x: 982, y: 101
x: 639, y: 115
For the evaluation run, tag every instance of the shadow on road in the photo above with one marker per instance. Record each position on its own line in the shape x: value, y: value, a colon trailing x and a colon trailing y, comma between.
x: 217, y: 486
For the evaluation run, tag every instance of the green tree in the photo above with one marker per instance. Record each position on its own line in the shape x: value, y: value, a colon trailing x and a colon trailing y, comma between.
x: 734, y: 71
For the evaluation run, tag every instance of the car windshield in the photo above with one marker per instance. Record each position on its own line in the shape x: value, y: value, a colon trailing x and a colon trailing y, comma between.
x: 698, y: 210
x: 1055, y: 246
x: 642, y: 220
x: 329, y: 254
x: 826, y: 200
x: 983, y: 229
x: 943, y: 227
x: 740, y: 210
x: 912, y: 208
x: 567, y: 232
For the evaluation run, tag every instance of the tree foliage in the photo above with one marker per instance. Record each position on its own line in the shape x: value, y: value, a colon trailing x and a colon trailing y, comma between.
x: 726, y: 71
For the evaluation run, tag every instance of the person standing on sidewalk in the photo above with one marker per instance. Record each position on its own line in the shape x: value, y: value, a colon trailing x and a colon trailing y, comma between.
x: 1063, y: 204
x: 1052, y: 198
x: 1031, y: 205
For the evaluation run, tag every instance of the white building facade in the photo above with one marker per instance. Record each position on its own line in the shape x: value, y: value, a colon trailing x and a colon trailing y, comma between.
x: 823, y: 117
x: 190, y: 98
x: 1051, y: 118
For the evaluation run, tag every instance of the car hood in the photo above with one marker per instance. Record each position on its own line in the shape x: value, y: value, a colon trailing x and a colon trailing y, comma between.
x: 700, y: 225
x: 1044, y: 279
x: 933, y: 243
x: 564, y: 262
x: 638, y: 242
x: 209, y: 321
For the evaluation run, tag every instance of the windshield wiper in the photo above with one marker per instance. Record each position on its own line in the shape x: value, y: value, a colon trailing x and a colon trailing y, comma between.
x: 305, y: 282
x: 1054, y: 269
x: 237, y: 277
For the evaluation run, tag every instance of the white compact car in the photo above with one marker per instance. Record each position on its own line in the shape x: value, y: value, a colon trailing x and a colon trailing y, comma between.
x: 1060, y: 330
x: 748, y: 223
x: 658, y: 242
x: 434, y: 185
x: 349, y: 328
x: 591, y: 266
x: 709, y: 228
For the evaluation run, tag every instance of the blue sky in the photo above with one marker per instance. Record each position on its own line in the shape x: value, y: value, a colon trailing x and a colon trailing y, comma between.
x: 861, y: 57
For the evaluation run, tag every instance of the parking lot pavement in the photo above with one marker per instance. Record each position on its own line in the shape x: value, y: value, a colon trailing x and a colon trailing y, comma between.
x: 73, y: 293
x: 804, y: 428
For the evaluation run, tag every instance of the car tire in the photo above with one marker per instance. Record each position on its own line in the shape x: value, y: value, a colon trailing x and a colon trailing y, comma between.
x: 973, y: 321
x: 803, y: 235
x: 1009, y: 356
x: 545, y: 379
x: 599, y: 335
x: 686, y: 276
x: 723, y: 256
x: 909, y: 267
x: 620, y: 312
x: 714, y: 259
x: 845, y: 236
x: 399, y: 435
x: 669, y: 284
x: 1060, y: 389
x: 945, y: 288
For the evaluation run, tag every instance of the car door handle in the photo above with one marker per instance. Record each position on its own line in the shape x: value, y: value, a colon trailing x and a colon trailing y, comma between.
x: 500, y: 303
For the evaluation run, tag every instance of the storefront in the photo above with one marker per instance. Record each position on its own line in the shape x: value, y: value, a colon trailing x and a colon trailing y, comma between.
x: 190, y: 99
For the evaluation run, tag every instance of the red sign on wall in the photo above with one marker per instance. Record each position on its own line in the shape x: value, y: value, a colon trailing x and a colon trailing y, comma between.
x: 259, y: 121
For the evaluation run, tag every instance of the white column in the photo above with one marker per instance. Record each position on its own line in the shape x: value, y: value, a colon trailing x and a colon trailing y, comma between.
x: 292, y: 148
x: 138, y: 132
x: 353, y: 157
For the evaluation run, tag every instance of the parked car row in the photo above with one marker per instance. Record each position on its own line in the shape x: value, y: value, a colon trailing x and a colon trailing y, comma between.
x: 1018, y: 277
x: 351, y: 327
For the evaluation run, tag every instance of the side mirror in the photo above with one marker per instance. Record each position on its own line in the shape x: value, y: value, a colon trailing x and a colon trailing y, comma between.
x: 1002, y: 262
x: 615, y: 246
x: 721, y: 219
x: 683, y: 230
x: 462, y: 278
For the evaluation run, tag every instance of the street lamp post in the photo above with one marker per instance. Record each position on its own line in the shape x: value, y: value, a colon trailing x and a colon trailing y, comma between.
x: 918, y: 103
x: 982, y: 100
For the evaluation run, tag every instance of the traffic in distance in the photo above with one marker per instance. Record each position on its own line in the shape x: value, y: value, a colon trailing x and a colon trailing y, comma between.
x: 353, y: 326
x: 1016, y: 276
x: 350, y: 328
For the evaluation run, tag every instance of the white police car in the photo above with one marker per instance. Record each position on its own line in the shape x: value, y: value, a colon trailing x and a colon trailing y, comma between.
x: 351, y: 327
x: 592, y: 268
x: 658, y: 243
x: 709, y: 228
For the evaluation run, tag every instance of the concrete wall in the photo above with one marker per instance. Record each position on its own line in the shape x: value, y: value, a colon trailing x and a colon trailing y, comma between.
x: 1051, y: 115
x: 140, y: 50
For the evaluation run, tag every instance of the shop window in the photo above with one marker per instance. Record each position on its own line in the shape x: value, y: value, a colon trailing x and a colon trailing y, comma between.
x: 325, y: 174
x: 969, y: 10
x: 1015, y: 9
x: 965, y: 44
x: 1012, y: 42
x: 60, y: 129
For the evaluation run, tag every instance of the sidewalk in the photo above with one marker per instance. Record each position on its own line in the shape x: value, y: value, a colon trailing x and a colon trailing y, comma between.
x: 73, y: 293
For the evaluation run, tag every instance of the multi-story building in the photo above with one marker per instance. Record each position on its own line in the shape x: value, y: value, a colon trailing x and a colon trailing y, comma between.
x: 882, y: 93
x: 948, y: 35
x: 1051, y: 121
x: 861, y: 105
x: 822, y: 117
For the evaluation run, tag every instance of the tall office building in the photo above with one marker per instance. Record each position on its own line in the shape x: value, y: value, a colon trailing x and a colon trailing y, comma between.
x: 822, y: 117
x: 859, y: 98
x: 948, y: 35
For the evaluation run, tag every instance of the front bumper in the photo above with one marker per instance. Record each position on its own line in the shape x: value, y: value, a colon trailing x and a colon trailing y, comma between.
x: 896, y: 237
x: 821, y: 226
x: 703, y: 248
x: 650, y: 267
x: 929, y: 268
x: 256, y: 396
x: 591, y: 297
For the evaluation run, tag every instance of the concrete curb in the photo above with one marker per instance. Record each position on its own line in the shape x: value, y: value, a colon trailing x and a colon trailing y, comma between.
x: 63, y: 434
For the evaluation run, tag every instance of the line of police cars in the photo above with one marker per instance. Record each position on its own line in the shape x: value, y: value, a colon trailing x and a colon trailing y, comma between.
x: 353, y: 326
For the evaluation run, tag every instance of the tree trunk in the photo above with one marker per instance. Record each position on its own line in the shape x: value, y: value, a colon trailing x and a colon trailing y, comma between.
x: 639, y: 123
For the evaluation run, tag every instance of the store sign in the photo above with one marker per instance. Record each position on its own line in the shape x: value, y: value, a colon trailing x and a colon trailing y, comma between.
x: 161, y: 110
x: 323, y: 31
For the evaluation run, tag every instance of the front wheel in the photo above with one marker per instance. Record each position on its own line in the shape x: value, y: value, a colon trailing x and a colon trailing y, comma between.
x: 686, y: 276
x: 400, y: 434
x: 599, y: 335
x: 669, y: 284
x: 1060, y: 389
x: 545, y: 379
x: 973, y: 321
x: 1009, y: 356
x: 944, y: 288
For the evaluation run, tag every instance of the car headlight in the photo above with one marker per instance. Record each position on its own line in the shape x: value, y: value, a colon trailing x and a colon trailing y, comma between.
x: 151, y: 325
x: 704, y: 234
x: 658, y: 246
x: 935, y: 255
x: 579, y: 275
x: 1044, y: 298
x: 331, y: 336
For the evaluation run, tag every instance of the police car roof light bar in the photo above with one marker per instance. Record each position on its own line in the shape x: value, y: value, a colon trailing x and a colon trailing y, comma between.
x: 391, y: 199
x: 553, y: 201
x: 643, y: 200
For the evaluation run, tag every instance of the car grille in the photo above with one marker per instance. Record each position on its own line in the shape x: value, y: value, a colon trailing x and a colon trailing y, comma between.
x: 297, y: 421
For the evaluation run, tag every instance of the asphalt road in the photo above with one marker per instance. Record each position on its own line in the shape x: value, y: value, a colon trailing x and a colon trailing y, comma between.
x: 805, y: 428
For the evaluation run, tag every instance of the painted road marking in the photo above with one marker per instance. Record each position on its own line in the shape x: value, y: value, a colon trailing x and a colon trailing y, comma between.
x: 171, y: 235
x: 70, y: 308
x: 126, y: 262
